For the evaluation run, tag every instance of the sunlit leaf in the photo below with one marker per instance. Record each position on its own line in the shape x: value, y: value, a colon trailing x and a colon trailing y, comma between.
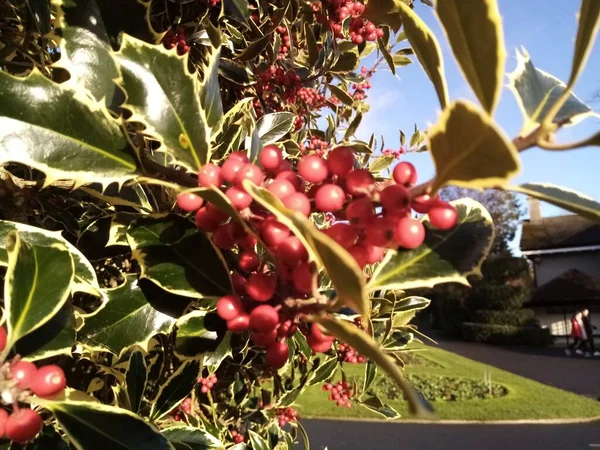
x: 136, y: 379
x: 377, y: 406
x: 210, y: 93
x: 272, y: 127
x: 191, y: 438
x: 175, y: 389
x: 194, y: 338
x: 384, y: 12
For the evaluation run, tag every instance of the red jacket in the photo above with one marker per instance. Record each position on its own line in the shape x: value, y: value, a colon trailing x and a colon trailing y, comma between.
x: 576, y: 331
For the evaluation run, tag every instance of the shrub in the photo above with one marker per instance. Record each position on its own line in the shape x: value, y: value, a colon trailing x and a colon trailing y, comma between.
x: 491, y: 294
x: 506, y: 334
x: 518, y: 317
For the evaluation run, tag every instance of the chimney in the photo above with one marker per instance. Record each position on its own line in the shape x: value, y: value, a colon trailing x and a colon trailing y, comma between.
x: 535, y: 213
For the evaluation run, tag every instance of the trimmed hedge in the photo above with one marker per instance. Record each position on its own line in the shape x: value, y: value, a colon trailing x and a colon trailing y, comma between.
x: 492, y: 295
x: 514, y: 317
x: 505, y: 334
x: 505, y: 268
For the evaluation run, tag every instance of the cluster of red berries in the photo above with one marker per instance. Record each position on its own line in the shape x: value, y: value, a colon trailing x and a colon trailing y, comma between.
x: 20, y: 379
x: 286, y: 41
x: 358, y: 89
x: 397, y: 154
x: 360, y: 29
x: 207, y: 383
x: 315, y: 145
x: 237, y: 437
x: 172, y: 39
x: 286, y: 415
x: 349, y: 355
x: 341, y: 393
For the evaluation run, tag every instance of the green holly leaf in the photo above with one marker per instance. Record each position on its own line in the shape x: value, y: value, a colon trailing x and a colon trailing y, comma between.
x: 427, y: 49
x: 258, y: 442
x: 384, y: 12
x: 33, y: 131
x: 175, y: 389
x: 126, y: 319
x: 325, y: 371
x: 370, y: 374
x: 93, y: 426
x: 562, y: 197
x: 272, y: 127
x: 194, y: 338
x: 377, y: 406
x: 55, y: 337
x: 474, y: 30
x: 164, y: 96
x: 537, y: 91
x: 37, y: 284
x: 213, y: 360
x: 444, y: 257
x: 341, y: 268
x: 191, y: 438
x: 210, y: 93
x: 341, y: 94
x: 173, y: 254
x: 136, y: 379
x: 469, y: 150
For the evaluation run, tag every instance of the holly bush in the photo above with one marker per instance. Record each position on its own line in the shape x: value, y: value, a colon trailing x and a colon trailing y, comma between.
x: 191, y: 231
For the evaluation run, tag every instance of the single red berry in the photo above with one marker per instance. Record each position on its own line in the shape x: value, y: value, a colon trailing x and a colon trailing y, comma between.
x: 277, y: 355
x: 210, y: 175
x: 395, y: 198
x: 223, y: 237
x: 229, y: 307
x: 405, y: 173
x: 409, y: 233
x: 239, y: 198
x: 289, y: 175
x: 330, y: 198
x: 360, y: 255
x: 215, y: 213
x: 380, y: 232
x: 3, y: 417
x: 270, y: 158
x: 302, y: 277
x: 423, y: 203
x: 239, y: 323
x: 246, y: 241
x: 443, y: 215
x: 374, y: 253
x: 359, y: 182
x: 264, y: 319
x: 317, y: 333
x: 204, y: 389
x: 23, y: 425
x: 273, y: 233
x: 360, y: 212
x: 260, y: 287
x: 340, y: 160
x: 189, y: 201
x: 291, y: 251
x: 298, y: 202
x: 205, y: 221
x: 281, y: 188
x: 250, y: 172
x: 239, y: 283
x: 48, y: 381
x: 249, y: 261
x: 3, y: 338
x: 318, y: 346
x: 313, y: 169
x: 233, y: 165
x: 263, y: 339
x: 22, y: 373
x: 343, y: 233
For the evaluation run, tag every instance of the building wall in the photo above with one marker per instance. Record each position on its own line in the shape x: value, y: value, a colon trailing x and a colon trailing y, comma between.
x: 548, y: 267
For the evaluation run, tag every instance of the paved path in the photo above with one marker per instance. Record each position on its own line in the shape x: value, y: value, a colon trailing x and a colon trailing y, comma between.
x: 347, y: 435
x: 547, y: 365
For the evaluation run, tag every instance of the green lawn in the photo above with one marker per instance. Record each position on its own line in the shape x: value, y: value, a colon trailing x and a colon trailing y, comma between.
x: 526, y: 399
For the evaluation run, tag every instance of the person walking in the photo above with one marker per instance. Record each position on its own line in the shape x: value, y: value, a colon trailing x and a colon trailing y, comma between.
x: 578, y: 335
x: 589, y: 331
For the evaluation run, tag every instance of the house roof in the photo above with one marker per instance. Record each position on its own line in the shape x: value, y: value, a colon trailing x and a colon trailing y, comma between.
x: 559, y: 232
x: 572, y: 287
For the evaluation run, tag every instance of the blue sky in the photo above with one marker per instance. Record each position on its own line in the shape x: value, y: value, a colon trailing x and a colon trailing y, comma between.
x: 547, y: 30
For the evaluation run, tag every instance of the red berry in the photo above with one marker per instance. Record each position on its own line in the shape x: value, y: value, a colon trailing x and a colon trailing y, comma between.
x: 264, y: 319
x: 23, y: 425
x: 239, y: 198
x: 302, y: 277
x: 48, y: 381
x: 246, y: 241
x: 273, y: 233
x: 374, y: 254
x: 298, y: 202
x: 340, y: 160
x: 264, y: 339
x: 277, y: 355
x: 395, y: 198
x: 22, y: 373
x: 233, y: 165
x: 330, y: 198
x: 189, y: 201
x: 239, y: 283
x: 312, y: 168
x: 249, y: 261
x: 409, y: 233
x: 229, y: 307
x: 317, y: 333
x: 289, y: 175
x: 360, y: 212
x: 270, y: 157
x: 380, y: 232
x: 3, y: 338
x: 317, y: 345
x: 250, y: 172
x: 344, y: 234
x: 281, y: 188
x: 423, y: 203
x: 239, y: 323
x: 443, y: 216
x: 205, y: 221
x: 359, y: 181
x: 223, y: 237
x: 210, y: 175
x: 405, y: 173
x: 360, y: 255
x: 260, y: 287
x: 204, y: 389
x: 291, y: 251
